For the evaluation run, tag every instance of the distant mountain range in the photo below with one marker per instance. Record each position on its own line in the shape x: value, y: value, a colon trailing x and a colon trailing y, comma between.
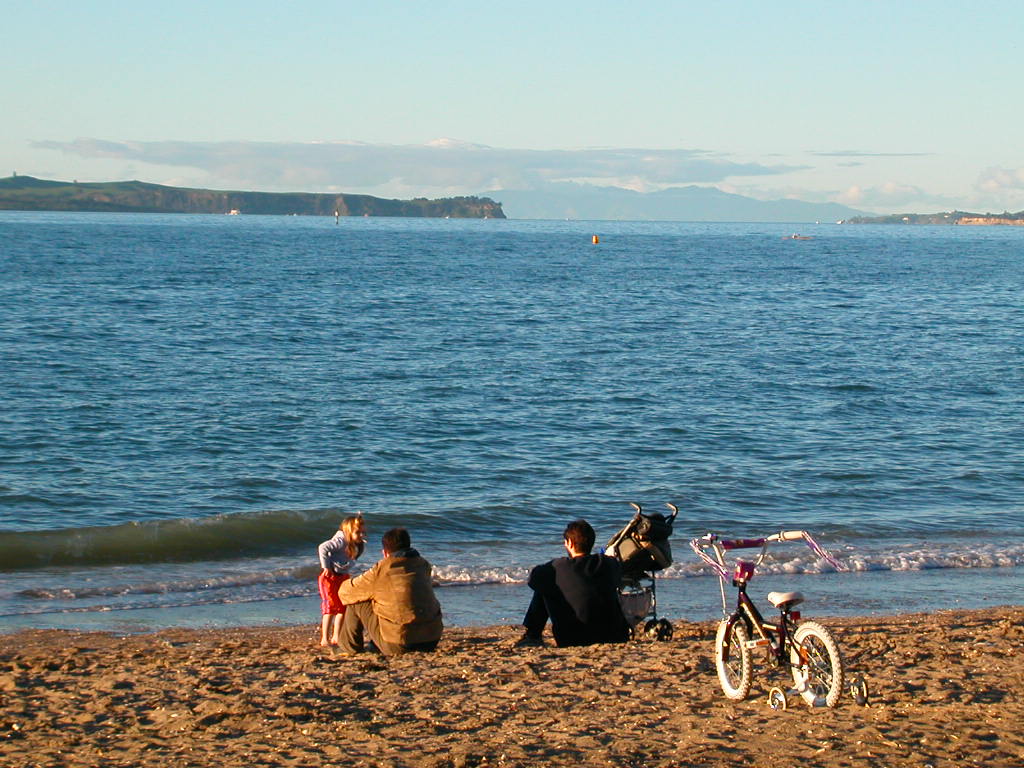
x: 26, y: 193
x: 692, y: 203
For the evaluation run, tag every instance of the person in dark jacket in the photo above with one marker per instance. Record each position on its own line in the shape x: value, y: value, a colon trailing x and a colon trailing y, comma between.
x: 578, y: 593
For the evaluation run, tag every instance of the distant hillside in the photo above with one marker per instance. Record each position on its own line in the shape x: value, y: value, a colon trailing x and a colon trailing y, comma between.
x: 692, y: 203
x: 25, y: 193
x: 961, y: 218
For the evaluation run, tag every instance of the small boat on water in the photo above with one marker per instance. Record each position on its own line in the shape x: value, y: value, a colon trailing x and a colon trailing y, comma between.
x: 795, y: 236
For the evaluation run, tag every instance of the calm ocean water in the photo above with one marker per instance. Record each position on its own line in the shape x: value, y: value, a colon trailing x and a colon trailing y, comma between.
x: 190, y: 403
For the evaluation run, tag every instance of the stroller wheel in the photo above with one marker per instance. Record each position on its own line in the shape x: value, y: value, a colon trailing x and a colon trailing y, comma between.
x: 664, y: 630
x: 658, y: 629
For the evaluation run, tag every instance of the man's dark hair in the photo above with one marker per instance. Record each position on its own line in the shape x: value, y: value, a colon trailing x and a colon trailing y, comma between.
x: 580, y: 535
x: 396, y: 539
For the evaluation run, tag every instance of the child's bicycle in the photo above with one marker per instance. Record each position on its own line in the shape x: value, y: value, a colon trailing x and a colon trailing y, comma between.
x: 806, y: 649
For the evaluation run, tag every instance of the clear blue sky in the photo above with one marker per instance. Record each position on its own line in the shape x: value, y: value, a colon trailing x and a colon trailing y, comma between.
x: 886, y: 106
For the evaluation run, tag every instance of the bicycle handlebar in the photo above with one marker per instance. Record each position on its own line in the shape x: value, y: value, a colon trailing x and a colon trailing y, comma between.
x: 724, y: 545
x: 728, y: 544
x: 788, y: 536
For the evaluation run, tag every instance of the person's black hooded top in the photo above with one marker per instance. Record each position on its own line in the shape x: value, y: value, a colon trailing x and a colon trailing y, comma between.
x: 582, y: 598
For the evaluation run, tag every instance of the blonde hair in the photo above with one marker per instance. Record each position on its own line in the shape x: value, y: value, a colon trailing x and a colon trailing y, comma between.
x: 352, y: 528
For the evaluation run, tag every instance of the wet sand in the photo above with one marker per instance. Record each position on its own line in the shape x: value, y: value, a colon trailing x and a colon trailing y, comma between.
x: 945, y: 690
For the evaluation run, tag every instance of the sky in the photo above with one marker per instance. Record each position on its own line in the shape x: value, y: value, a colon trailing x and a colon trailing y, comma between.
x: 883, y: 106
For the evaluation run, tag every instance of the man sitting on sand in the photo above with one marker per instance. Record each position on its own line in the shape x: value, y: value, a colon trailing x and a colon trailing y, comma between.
x: 579, y: 593
x: 393, y: 603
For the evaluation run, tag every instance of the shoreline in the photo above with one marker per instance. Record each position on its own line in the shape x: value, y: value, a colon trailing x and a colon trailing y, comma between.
x: 945, y: 689
x: 869, y: 593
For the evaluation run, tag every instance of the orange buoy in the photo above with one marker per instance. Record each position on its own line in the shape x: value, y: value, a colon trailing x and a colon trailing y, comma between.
x: 595, y: 240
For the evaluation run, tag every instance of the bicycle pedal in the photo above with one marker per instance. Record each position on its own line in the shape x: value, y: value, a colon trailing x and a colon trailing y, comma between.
x: 759, y: 643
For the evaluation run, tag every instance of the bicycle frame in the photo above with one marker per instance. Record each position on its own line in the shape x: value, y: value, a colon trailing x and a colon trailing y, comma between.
x: 774, y: 638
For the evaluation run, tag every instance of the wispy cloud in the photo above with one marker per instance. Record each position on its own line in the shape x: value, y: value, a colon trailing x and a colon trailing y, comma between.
x: 996, y: 181
x: 894, y: 196
x: 999, y: 189
x: 442, y: 165
x: 856, y: 153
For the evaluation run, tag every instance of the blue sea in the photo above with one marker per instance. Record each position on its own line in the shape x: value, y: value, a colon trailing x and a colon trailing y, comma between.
x: 191, y: 403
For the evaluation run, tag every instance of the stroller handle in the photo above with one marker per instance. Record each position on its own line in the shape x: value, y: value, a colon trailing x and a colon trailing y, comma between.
x: 670, y: 505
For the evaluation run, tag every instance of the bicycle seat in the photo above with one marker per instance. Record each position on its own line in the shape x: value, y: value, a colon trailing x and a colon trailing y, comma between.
x: 785, y: 599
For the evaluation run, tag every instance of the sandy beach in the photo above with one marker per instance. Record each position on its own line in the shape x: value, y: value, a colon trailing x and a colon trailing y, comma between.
x: 945, y: 690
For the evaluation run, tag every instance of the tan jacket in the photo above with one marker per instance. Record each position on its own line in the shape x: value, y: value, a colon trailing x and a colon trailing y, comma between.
x: 403, y: 598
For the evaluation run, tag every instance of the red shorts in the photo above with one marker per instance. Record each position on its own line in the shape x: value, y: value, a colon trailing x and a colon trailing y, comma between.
x: 328, y: 584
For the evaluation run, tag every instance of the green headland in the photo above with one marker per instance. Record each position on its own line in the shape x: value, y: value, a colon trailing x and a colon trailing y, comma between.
x: 960, y: 218
x: 26, y: 193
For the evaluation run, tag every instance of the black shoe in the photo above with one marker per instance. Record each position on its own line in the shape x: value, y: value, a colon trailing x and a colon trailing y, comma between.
x: 528, y: 641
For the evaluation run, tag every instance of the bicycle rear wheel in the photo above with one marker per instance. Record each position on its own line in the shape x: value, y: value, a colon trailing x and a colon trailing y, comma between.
x: 816, y: 665
x: 735, y: 670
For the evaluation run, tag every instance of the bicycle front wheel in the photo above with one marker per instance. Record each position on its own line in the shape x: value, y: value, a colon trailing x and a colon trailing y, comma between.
x: 732, y: 660
x: 816, y: 665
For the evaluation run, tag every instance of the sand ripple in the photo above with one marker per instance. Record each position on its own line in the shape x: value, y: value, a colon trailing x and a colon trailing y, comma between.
x: 945, y: 691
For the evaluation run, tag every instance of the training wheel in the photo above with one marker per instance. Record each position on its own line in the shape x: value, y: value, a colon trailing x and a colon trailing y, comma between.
x: 859, y: 690
x: 777, y: 699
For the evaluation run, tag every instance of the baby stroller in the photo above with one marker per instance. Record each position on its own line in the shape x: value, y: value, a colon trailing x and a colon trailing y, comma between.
x: 643, y: 549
